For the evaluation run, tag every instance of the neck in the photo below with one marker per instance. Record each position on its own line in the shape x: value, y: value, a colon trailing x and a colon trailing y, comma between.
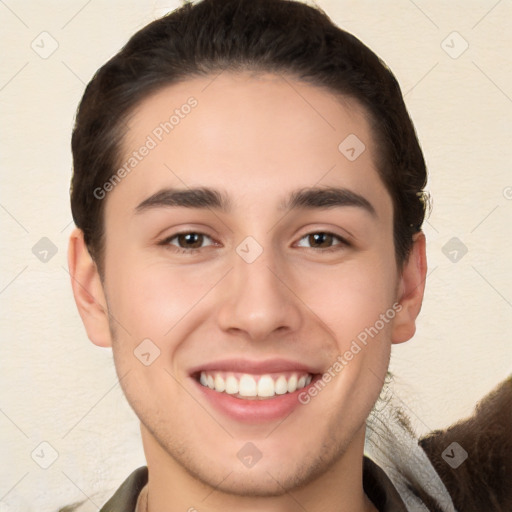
x: 171, y: 488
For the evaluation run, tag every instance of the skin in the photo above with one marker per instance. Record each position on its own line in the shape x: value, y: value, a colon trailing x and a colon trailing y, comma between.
x: 256, y: 139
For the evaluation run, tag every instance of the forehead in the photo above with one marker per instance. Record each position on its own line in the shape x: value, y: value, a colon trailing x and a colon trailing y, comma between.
x: 246, y: 134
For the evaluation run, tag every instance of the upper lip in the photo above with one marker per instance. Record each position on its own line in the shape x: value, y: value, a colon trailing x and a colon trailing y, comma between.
x: 256, y: 367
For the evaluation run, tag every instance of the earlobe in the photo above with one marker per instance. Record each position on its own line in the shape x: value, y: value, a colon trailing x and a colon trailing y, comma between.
x: 410, y: 292
x: 88, y: 290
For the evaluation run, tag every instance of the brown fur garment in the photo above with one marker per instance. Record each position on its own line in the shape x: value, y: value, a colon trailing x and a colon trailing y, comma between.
x: 483, y: 482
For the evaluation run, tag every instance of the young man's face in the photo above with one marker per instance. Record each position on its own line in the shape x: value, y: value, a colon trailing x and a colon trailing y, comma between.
x: 263, y: 293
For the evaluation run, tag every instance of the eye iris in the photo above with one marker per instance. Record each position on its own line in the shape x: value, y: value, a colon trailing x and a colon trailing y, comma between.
x: 320, y: 239
x: 193, y: 240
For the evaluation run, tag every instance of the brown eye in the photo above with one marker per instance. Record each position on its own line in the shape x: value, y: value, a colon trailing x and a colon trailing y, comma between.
x: 190, y: 240
x: 322, y: 240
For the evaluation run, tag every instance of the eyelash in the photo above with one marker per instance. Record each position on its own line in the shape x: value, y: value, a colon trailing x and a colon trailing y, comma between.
x: 342, y: 242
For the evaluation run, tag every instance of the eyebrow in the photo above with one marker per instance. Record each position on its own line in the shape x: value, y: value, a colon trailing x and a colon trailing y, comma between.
x: 201, y: 197
x: 209, y: 198
x: 326, y: 197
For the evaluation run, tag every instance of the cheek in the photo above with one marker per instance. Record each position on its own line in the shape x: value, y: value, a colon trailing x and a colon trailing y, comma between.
x: 355, y: 303
x: 151, y: 298
x: 350, y: 298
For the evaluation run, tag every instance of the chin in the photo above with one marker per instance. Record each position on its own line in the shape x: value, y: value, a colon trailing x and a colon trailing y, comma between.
x: 263, y: 482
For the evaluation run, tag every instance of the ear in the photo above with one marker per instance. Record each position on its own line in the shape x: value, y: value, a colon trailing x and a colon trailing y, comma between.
x: 88, y: 290
x: 410, y: 291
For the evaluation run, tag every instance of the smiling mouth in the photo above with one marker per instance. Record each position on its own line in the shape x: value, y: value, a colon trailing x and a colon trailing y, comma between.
x: 248, y: 386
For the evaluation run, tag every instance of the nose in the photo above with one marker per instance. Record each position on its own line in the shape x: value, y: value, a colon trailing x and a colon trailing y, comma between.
x: 259, y: 300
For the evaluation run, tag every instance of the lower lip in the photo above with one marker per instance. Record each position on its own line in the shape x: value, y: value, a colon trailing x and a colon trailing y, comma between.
x: 254, y: 411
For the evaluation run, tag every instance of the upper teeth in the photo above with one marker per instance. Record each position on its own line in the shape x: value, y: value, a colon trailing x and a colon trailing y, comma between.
x: 246, y: 385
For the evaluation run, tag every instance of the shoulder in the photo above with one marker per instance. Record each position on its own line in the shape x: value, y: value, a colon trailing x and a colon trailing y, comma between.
x: 122, y: 500
x: 466, y: 467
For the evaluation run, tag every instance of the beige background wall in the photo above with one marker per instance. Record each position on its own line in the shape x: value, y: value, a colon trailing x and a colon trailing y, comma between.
x: 57, y: 388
